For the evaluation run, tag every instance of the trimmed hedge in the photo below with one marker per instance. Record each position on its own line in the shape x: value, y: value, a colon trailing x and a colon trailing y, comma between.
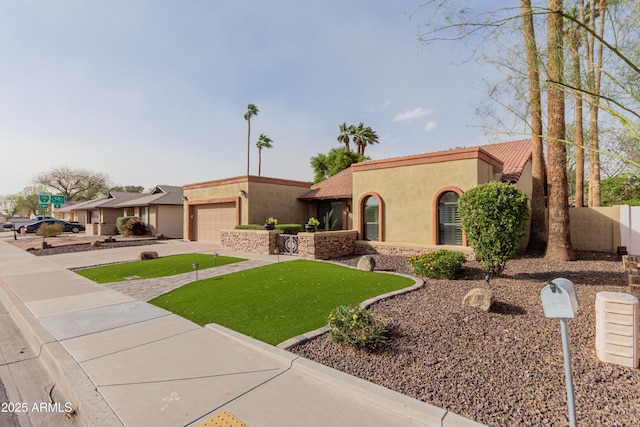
x: 286, y: 228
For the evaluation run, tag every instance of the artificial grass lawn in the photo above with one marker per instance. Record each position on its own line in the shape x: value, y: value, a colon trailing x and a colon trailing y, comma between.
x: 278, y: 301
x: 159, y: 267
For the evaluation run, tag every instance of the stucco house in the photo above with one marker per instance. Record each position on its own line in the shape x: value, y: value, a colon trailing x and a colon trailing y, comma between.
x: 410, y: 200
x: 161, y: 209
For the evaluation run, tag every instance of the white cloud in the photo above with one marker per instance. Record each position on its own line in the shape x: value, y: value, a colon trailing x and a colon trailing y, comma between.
x: 387, y: 102
x: 412, y: 114
x: 430, y: 126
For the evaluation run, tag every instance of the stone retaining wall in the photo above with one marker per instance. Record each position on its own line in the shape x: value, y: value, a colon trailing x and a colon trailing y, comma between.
x: 363, y: 247
x: 252, y: 241
x: 326, y: 244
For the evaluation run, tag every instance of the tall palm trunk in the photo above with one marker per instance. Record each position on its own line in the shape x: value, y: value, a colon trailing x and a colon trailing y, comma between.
x: 538, y: 228
x: 259, y: 159
x: 559, y: 246
x: 594, y: 67
x: 248, y: 141
x: 574, y: 40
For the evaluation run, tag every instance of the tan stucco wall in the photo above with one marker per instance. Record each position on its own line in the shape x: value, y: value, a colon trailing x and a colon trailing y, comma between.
x: 595, y: 229
x: 408, y: 194
x: 278, y: 201
x: 525, y: 183
x: 169, y: 220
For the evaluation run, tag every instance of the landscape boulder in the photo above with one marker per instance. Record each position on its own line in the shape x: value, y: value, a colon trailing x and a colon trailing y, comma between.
x: 142, y: 255
x: 95, y: 243
x: 479, y: 298
x: 366, y: 263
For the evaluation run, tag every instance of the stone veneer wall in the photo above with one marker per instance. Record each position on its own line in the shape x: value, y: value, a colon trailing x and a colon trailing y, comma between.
x: 326, y: 244
x: 252, y: 241
x: 363, y: 247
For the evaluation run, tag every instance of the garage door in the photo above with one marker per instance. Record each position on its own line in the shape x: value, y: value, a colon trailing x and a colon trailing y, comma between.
x: 210, y: 219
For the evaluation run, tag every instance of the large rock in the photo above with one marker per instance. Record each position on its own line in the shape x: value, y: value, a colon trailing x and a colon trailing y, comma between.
x: 366, y: 263
x: 479, y: 298
x: 142, y: 255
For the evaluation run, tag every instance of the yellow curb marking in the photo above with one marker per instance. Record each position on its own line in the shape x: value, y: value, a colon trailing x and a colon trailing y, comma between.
x: 223, y: 419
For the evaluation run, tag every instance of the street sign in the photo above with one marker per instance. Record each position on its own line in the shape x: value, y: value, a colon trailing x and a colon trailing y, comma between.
x: 57, y: 200
x: 44, y: 205
x: 44, y: 199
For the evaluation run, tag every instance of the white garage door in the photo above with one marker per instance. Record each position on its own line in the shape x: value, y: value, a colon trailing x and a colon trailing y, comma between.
x: 210, y: 219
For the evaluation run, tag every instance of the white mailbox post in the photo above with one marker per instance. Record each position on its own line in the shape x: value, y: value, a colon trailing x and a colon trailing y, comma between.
x: 559, y: 301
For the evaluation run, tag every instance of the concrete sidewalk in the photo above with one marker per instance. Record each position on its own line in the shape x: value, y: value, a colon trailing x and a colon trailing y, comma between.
x: 120, y: 361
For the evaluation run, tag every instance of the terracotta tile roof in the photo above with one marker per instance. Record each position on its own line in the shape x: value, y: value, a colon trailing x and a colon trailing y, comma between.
x: 514, y: 156
x: 339, y: 186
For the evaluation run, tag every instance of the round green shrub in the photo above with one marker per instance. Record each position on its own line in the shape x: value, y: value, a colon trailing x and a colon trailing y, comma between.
x: 494, y: 216
x: 355, y: 326
x: 440, y: 264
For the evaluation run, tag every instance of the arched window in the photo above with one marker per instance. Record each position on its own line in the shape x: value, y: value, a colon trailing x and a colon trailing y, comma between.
x: 449, y: 222
x: 371, y: 219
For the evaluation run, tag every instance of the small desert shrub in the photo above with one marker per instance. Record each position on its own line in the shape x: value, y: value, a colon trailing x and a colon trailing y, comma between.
x: 121, y: 221
x: 49, y: 230
x: 355, y: 326
x: 441, y: 264
x: 135, y: 227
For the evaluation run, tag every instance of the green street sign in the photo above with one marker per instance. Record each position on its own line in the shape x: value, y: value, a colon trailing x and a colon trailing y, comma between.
x: 57, y: 206
x: 44, y: 205
x: 44, y: 198
x: 57, y: 200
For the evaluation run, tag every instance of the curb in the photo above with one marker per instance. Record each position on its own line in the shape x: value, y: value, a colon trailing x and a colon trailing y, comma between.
x: 397, y: 403
x: 88, y: 403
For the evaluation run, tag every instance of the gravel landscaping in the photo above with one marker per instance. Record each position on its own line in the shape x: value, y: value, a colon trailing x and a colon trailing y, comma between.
x: 68, y: 244
x: 504, y: 367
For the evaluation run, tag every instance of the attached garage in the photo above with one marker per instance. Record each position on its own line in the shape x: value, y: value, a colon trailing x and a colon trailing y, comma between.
x: 223, y: 204
x: 209, y: 219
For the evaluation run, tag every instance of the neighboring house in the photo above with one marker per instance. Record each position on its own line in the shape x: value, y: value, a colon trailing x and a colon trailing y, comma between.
x: 161, y: 210
x: 410, y: 200
x: 65, y: 213
x: 212, y: 206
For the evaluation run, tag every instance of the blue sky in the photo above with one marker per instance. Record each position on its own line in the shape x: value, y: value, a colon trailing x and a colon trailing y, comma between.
x: 154, y: 92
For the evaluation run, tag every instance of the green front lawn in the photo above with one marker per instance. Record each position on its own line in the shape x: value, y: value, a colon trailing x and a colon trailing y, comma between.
x: 278, y: 301
x: 159, y: 267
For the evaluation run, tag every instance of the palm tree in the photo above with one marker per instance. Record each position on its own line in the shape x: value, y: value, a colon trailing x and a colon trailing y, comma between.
x: 345, y: 134
x: 252, y: 110
x: 263, y: 142
x: 358, y: 136
x: 559, y: 246
x: 371, y: 137
x: 538, y: 228
x: 363, y: 136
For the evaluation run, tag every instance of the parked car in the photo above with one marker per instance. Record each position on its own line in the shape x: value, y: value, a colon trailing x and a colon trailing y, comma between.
x: 72, y: 227
x: 18, y: 226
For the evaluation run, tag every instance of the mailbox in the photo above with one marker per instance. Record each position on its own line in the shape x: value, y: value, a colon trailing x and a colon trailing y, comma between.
x: 559, y: 299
